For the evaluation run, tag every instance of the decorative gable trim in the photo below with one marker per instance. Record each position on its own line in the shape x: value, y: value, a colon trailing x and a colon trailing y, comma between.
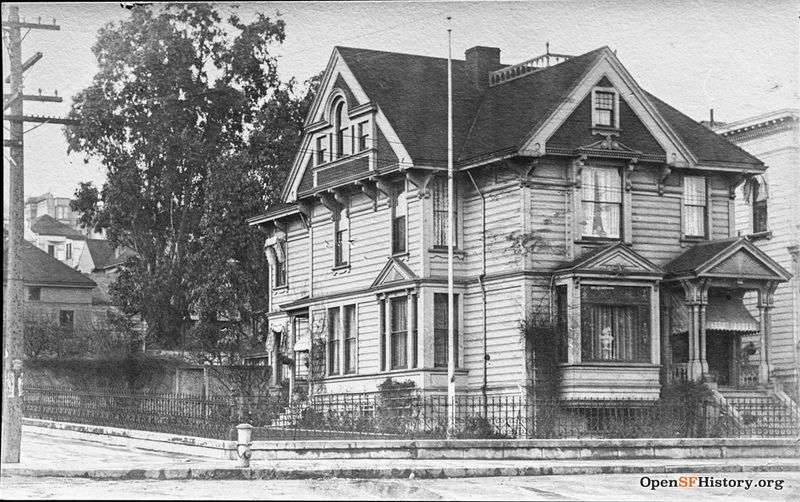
x: 337, y: 68
x: 615, y: 260
x: 743, y: 259
x: 394, y: 271
x: 608, y: 66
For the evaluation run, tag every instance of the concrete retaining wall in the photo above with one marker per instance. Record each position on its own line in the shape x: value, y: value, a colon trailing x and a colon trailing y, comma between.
x: 509, y: 449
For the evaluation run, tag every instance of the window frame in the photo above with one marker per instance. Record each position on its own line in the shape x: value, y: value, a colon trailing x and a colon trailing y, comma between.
x: 350, y: 339
x: 321, y: 150
x: 615, y: 111
x: 34, y: 293
x: 438, y: 189
x: 66, y: 319
x: 341, y: 239
x: 333, y: 339
x: 645, y: 307
x: 760, y: 209
x: 621, y: 205
x: 705, y: 205
x: 399, y: 189
x: 363, y: 135
x: 396, y: 362
x: 281, y: 269
x: 442, y: 360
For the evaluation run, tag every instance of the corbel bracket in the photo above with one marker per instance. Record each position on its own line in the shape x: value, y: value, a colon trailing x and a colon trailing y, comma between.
x: 662, y: 177
x: 329, y: 201
x: 369, y: 189
x: 628, y: 172
x: 577, y: 167
x: 280, y: 226
x: 742, y: 178
x: 525, y: 171
x: 384, y: 187
x: 420, y: 180
x: 343, y: 198
x: 305, y: 212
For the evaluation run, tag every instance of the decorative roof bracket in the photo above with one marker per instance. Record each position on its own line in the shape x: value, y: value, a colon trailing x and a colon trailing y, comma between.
x: 420, y: 181
x: 662, y: 177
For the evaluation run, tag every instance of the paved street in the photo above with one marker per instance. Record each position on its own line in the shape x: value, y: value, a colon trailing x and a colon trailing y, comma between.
x: 597, y: 487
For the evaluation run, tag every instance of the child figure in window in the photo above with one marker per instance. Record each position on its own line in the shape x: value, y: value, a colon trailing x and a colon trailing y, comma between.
x: 606, y: 339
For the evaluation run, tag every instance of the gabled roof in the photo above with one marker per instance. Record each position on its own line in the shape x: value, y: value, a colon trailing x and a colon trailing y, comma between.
x: 498, y: 121
x: 411, y: 91
x: 41, y: 269
x: 394, y: 271
x: 47, y: 225
x: 616, y: 258
x: 737, y: 257
x: 104, y: 255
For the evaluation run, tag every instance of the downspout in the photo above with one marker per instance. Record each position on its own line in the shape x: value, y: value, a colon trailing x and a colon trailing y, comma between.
x: 483, y: 288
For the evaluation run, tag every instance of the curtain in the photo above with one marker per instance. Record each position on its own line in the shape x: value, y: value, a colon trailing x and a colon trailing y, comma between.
x: 615, y: 324
x: 399, y: 332
x: 601, y: 192
x: 694, y: 203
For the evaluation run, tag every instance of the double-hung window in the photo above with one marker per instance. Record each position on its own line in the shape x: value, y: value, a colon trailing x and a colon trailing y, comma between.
x: 615, y: 323
x: 399, y: 332
x: 399, y: 220
x: 604, y: 110
x: 440, y: 213
x: 66, y: 319
x: 441, y: 321
x: 334, y: 337
x: 349, y: 326
x: 694, y: 206
x: 280, y: 263
x: 363, y: 136
x: 760, y: 208
x: 341, y: 130
x: 601, y: 202
x: 341, y: 249
x: 322, y: 150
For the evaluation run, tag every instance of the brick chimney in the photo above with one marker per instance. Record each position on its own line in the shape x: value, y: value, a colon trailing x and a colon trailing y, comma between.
x: 480, y: 61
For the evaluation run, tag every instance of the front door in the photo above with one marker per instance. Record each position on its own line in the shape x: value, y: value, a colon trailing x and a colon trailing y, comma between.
x: 719, y: 354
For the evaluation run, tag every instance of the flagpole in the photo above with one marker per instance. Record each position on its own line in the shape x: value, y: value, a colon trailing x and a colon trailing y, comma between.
x: 451, y: 363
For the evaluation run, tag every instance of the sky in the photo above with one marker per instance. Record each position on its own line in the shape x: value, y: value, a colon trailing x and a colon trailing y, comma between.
x: 740, y: 57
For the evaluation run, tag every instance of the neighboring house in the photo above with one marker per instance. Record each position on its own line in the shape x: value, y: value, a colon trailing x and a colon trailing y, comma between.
x: 581, y: 198
x: 56, y: 207
x: 768, y: 213
x: 56, y: 239
x: 98, y: 255
x: 54, y: 292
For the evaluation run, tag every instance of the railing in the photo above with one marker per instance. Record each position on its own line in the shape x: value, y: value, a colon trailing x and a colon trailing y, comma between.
x: 748, y: 375
x: 410, y: 415
x: 521, y: 69
x: 678, y: 372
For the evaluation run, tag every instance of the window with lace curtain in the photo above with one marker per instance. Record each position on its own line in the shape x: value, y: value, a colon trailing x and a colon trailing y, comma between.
x: 601, y: 202
x: 759, y: 208
x: 694, y: 206
x: 615, y: 323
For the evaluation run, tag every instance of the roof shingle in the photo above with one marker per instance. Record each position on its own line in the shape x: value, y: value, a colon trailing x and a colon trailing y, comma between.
x: 39, y: 268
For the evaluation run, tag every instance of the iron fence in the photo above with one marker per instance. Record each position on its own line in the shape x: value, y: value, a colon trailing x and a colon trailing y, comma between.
x: 412, y: 415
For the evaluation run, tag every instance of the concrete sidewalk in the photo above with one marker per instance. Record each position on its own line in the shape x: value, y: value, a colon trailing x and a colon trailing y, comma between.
x: 47, y: 456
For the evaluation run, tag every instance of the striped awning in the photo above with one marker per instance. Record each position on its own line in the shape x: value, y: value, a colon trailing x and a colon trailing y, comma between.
x: 725, y: 312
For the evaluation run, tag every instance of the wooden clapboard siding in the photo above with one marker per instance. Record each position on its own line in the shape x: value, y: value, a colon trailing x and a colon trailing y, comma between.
x: 368, y: 336
x: 504, y: 308
x: 778, y: 149
x: 720, y: 213
x: 656, y: 226
x: 547, y: 224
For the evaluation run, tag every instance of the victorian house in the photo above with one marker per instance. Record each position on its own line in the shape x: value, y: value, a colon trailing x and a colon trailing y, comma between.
x: 581, y: 198
x: 768, y: 214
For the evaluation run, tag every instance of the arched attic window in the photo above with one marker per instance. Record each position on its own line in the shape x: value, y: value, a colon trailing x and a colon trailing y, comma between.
x: 340, y: 127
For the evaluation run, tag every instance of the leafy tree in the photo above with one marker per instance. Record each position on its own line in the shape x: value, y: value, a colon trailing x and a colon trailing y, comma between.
x: 176, y: 112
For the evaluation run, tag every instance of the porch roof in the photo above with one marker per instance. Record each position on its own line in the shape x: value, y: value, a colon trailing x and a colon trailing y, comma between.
x: 725, y: 312
x: 729, y: 258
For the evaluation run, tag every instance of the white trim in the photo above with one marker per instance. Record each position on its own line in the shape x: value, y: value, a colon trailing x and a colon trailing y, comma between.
x: 609, y: 66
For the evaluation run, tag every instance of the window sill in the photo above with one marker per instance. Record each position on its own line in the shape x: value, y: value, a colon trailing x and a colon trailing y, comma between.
x: 342, y: 159
x: 443, y: 250
x: 692, y: 240
x: 766, y: 235
x: 280, y: 289
x: 344, y: 267
x: 610, y: 364
x: 597, y: 240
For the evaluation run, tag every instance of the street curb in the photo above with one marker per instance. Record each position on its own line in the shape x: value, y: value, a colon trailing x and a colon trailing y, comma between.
x: 424, y: 472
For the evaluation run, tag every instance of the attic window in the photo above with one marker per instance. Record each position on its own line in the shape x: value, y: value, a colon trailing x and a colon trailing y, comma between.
x: 605, y: 106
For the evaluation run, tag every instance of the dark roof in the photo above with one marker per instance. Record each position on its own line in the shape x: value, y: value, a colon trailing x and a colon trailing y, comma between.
x: 707, y: 145
x: 103, y: 253
x: 510, y: 111
x: 412, y: 92
x: 585, y: 257
x: 39, y: 268
x: 47, y: 225
x: 697, y: 255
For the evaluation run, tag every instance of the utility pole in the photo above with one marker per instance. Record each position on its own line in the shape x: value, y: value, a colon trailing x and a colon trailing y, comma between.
x: 15, y: 293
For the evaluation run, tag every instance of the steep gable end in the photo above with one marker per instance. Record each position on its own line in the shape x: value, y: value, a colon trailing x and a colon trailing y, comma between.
x: 742, y: 264
x: 578, y: 131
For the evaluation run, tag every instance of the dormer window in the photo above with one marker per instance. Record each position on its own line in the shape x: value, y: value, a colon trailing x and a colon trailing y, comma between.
x: 363, y: 136
x: 605, y: 108
x: 340, y: 124
x: 321, y: 149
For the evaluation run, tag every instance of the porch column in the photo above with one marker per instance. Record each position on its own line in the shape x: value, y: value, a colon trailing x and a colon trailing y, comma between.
x: 765, y: 331
x: 703, y: 360
x: 695, y: 369
x: 293, y: 354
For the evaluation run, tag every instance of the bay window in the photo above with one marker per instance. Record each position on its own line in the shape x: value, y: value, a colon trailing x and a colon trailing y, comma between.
x: 349, y: 326
x: 399, y: 220
x: 440, y: 206
x: 399, y: 332
x: 601, y: 202
x: 334, y: 337
x: 615, y: 323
